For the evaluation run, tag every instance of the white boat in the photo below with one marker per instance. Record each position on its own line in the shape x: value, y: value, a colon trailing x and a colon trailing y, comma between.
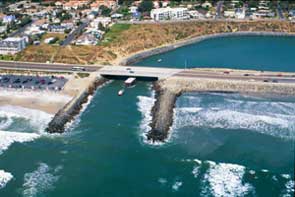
x: 159, y: 60
x: 121, y: 92
x: 130, y: 82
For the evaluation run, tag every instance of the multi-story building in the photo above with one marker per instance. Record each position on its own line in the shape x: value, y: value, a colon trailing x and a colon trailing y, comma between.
x: 169, y: 14
x: 12, y: 45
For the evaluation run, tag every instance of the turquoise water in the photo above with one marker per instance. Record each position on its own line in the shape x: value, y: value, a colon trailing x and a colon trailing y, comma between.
x: 256, y: 53
x: 220, y: 145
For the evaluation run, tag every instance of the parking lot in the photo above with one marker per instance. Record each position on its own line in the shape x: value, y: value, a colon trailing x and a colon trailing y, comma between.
x: 32, y: 82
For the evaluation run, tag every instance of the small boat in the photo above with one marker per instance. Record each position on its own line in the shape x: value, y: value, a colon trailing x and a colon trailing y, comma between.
x: 121, y: 92
x: 159, y: 60
x: 130, y: 82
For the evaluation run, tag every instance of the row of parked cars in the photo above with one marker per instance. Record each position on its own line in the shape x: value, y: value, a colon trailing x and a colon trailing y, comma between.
x: 32, y: 82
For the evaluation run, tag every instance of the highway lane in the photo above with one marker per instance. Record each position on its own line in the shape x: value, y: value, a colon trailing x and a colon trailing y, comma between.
x: 218, y: 9
x: 252, y: 78
x: 44, y: 66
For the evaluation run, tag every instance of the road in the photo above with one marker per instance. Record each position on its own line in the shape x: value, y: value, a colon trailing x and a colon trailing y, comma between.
x: 138, y: 71
x: 280, y: 11
x: 218, y: 9
x: 44, y: 66
x: 131, y: 71
x: 20, y: 30
x: 75, y: 33
x: 155, y: 72
x: 270, y: 77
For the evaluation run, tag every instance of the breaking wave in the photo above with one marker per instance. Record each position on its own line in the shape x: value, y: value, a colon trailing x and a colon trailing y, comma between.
x: 5, y: 177
x: 30, y: 119
x: 40, y: 180
x: 18, y: 124
x: 7, y: 138
x: 225, y: 179
x: 145, y: 105
x: 268, y: 117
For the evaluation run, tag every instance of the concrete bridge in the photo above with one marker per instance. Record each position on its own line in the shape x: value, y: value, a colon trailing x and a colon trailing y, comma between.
x: 222, y: 74
x: 138, y: 72
x: 156, y: 73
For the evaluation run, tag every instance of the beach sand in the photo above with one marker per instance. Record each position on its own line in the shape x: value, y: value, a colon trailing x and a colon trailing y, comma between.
x: 49, y: 102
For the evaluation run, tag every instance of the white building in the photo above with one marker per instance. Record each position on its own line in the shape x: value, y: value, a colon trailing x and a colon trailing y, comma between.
x: 229, y: 13
x: 105, y: 21
x: 240, y: 13
x: 133, y: 9
x: 169, y: 13
x: 8, y: 19
x: 195, y: 14
x: 12, y: 45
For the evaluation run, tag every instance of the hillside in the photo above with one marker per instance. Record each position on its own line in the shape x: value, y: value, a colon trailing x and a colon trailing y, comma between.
x: 123, y: 40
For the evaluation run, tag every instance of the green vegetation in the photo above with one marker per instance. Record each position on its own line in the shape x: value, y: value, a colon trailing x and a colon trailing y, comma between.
x: 105, y: 11
x: 145, y: 6
x: 83, y: 75
x: 7, y: 57
x: 115, y: 32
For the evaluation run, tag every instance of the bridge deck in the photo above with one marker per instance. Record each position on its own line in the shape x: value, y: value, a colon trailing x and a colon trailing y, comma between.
x: 132, y: 71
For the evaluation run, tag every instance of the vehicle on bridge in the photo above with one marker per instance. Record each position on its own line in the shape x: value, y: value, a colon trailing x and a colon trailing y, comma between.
x: 78, y: 68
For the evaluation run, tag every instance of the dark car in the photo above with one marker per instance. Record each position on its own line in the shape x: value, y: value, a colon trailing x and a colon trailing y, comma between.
x: 17, y: 81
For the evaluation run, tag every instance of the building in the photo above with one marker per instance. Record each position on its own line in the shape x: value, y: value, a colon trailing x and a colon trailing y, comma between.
x: 74, y: 4
x: 57, y: 28
x: 196, y: 14
x: 87, y: 39
x: 12, y: 45
x: 108, y: 3
x: 3, y: 29
x: 8, y: 19
x: 169, y: 14
x: 240, y: 13
x: 229, y: 13
x: 105, y: 21
x: 159, y: 4
x: 292, y: 15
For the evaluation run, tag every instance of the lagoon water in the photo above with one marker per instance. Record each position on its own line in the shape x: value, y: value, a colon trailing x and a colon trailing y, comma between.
x: 241, y: 52
x: 220, y: 145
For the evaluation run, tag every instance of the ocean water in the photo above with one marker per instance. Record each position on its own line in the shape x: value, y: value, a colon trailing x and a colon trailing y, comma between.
x: 241, y: 52
x: 219, y: 145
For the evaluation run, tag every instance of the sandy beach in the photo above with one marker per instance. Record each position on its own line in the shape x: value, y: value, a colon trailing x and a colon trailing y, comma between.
x: 46, y: 101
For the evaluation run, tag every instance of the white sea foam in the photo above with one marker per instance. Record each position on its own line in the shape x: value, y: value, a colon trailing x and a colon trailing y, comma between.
x: 289, y: 189
x: 145, y: 105
x: 76, y: 120
x: 39, y: 181
x: 225, y: 180
x: 7, y: 138
x: 163, y: 181
x: 177, y: 185
x: 5, y: 177
x: 37, y: 119
x: 273, y: 118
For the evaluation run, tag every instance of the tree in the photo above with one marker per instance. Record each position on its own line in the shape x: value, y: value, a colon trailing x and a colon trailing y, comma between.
x: 105, y: 11
x: 145, y: 6
x: 101, y: 27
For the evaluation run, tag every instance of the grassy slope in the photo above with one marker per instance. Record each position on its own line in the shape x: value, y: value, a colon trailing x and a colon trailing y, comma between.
x: 123, y: 40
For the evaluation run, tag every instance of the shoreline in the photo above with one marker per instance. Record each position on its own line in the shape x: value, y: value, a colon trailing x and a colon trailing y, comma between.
x: 138, y: 56
x: 167, y: 91
x: 49, y: 102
